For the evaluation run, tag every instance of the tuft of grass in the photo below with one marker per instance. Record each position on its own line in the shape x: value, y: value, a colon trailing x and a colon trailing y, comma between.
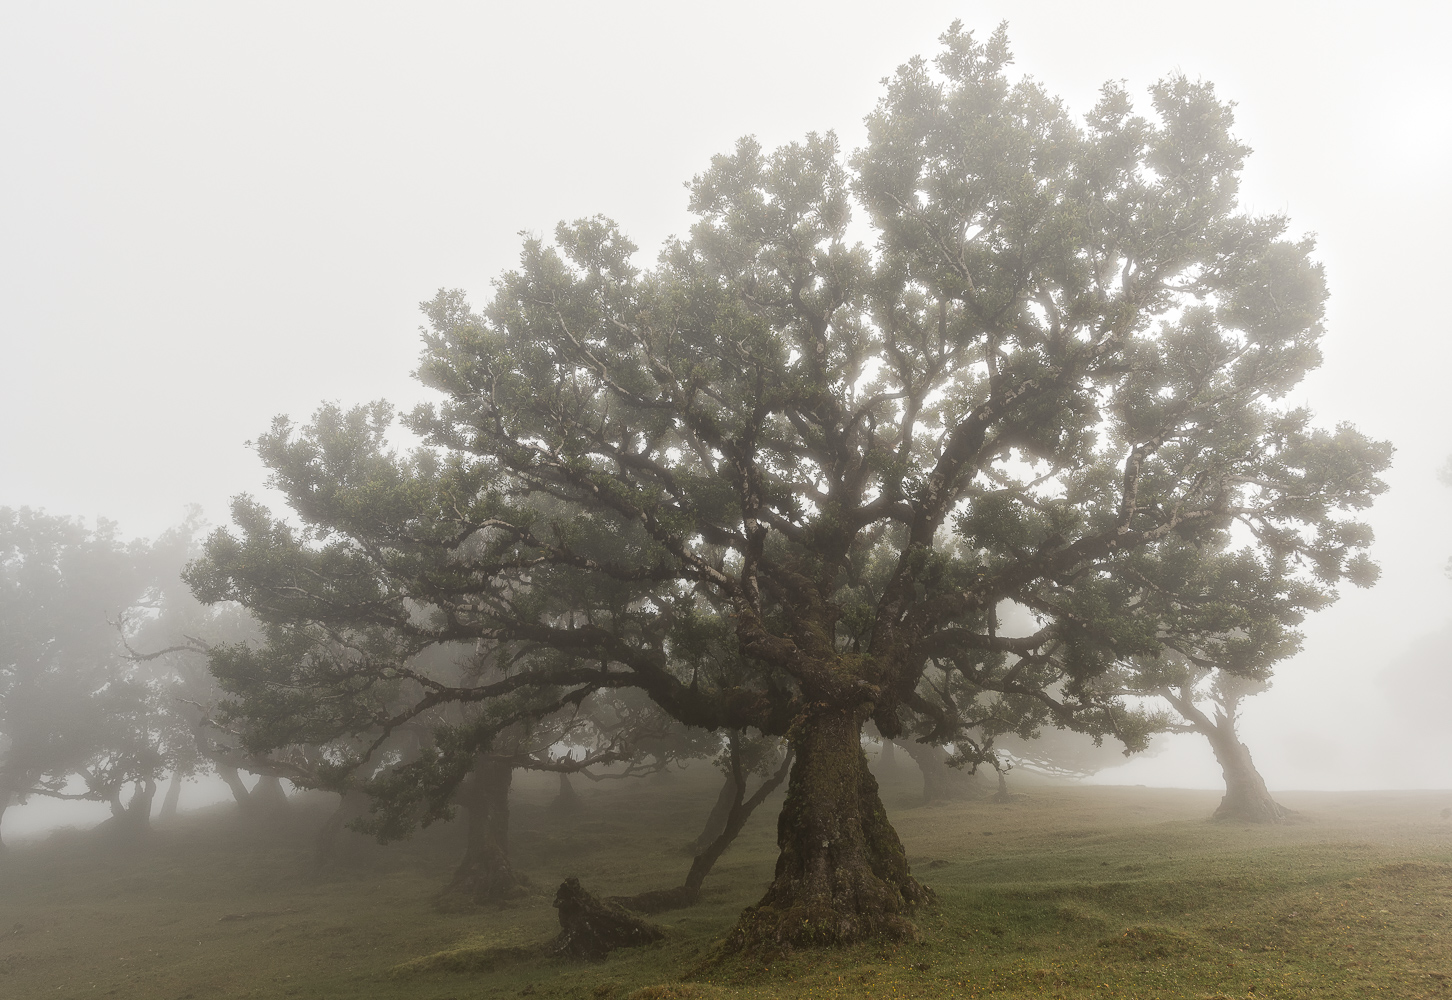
x: 1067, y: 892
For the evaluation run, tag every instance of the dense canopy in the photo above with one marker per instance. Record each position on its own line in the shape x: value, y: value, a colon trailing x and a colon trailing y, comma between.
x: 787, y: 482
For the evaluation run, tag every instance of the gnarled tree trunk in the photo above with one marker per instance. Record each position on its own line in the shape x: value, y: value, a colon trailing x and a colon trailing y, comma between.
x: 485, y: 874
x: 841, y: 875
x: 1246, y: 797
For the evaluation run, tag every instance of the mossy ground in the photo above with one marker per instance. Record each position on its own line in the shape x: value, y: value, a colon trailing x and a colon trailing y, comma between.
x: 1066, y: 892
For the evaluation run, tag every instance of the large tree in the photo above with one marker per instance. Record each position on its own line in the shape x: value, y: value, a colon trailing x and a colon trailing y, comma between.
x: 781, y: 482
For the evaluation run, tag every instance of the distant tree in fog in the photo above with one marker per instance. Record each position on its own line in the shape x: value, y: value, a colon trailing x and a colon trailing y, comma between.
x: 781, y: 483
x: 79, y: 717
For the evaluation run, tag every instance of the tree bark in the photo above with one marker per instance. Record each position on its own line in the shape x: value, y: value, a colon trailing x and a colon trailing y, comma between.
x: 1246, y: 797
x: 485, y: 874
x: 841, y: 875
x: 5, y: 798
x: 173, y: 797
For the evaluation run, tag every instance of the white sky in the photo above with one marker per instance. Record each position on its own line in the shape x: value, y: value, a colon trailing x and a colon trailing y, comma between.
x: 210, y: 214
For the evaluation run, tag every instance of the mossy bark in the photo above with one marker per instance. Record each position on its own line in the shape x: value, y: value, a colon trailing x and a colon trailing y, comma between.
x: 842, y: 875
x: 485, y: 874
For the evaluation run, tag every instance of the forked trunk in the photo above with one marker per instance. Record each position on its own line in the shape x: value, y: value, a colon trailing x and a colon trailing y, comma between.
x: 1246, y: 797
x: 841, y: 875
x: 133, y: 819
x: 738, y: 810
x: 173, y: 797
x: 485, y: 874
x: 234, y: 781
x: 267, y: 795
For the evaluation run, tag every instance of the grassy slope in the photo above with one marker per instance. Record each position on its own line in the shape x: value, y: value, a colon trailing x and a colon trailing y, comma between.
x: 1067, y: 892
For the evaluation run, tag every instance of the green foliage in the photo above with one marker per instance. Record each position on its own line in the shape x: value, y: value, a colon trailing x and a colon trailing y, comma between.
x: 779, y: 474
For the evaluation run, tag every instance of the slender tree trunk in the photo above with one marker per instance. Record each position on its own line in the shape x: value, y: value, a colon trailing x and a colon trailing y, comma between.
x: 485, y: 873
x: 738, y: 811
x: 1246, y: 797
x: 887, y: 759
x: 567, y: 801
x: 729, y: 796
x: 173, y: 797
x: 841, y: 875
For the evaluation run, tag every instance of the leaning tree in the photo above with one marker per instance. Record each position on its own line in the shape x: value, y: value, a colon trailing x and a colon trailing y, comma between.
x: 783, y: 483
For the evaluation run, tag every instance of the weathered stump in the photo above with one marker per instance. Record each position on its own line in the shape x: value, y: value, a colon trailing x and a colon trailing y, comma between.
x: 592, y: 928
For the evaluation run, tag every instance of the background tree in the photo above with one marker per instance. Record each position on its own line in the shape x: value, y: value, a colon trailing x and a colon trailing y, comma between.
x: 74, y: 705
x: 782, y: 484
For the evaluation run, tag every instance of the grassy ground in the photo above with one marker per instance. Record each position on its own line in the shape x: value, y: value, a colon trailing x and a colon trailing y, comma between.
x: 1066, y: 892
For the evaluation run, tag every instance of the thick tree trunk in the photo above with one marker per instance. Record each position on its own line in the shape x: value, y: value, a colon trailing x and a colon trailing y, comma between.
x: 485, y: 874
x: 173, y: 797
x: 352, y: 805
x: 941, y: 783
x: 267, y: 795
x: 841, y: 875
x: 4, y: 804
x: 1246, y: 797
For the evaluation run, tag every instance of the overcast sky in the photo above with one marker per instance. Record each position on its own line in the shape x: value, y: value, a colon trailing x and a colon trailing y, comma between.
x: 210, y: 214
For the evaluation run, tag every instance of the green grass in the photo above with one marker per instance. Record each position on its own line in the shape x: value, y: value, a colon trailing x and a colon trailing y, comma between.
x: 1066, y: 892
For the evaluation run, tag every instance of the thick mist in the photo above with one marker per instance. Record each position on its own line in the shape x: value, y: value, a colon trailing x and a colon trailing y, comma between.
x: 216, y: 216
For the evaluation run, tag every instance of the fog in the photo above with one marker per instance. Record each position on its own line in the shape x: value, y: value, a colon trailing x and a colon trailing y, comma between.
x: 215, y: 215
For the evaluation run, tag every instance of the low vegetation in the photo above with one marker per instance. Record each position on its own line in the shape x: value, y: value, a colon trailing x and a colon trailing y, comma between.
x: 1062, y: 892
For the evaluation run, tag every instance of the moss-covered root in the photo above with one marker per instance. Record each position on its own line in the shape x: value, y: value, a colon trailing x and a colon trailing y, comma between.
x: 841, y: 875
